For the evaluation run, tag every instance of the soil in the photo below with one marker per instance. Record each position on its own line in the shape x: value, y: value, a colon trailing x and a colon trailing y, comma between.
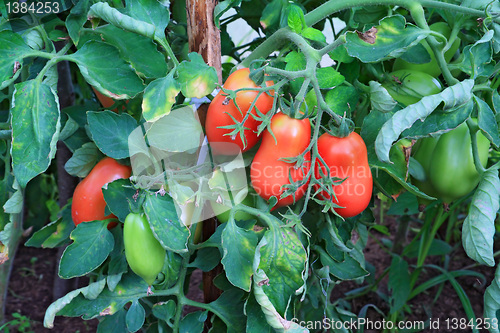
x: 31, y: 284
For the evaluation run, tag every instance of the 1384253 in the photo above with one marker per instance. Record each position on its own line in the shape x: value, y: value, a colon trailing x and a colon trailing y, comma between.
x: 474, y: 324
x: 34, y: 7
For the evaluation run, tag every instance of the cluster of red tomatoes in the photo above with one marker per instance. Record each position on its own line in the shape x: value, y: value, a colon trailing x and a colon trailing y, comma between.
x: 270, y: 172
x: 288, y: 138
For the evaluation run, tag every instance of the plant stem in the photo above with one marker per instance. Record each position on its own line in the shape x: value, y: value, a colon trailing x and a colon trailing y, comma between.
x: 473, y: 129
x: 417, y: 12
x: 334, y: 6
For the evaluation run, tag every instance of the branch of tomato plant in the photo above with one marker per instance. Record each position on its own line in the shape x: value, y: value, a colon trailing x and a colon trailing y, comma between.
x: 238, y: 127
x: 333, y: 6
x: 54, y: 58
x: 271, y: 221
x: 473, y: 129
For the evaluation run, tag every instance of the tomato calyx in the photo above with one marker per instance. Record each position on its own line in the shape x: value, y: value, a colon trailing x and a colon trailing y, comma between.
x: 342, y: 130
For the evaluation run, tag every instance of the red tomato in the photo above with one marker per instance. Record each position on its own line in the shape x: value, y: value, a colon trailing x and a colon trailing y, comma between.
x: 88, y: 201
x: 268, y: 173
x: 347, y: 158
x: 222, y: 108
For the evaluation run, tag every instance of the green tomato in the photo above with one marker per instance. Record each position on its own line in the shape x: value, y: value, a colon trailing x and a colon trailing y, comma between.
x: 423, y: 154
x: 143, y: 252
x: 409, y: 86
x: 453, y: 173
x: 449, y: 164
x: 431, y: 67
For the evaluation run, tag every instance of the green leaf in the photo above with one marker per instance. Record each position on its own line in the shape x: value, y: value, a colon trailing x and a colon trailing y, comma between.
x: 372, y: 124
x: 35, y: 129
x: 492, y: 303
x: 271, y: 14
x: 14, y: 205
x: 479, y: 226
x: 206, y: 259
x: 138, y: 50
x: 282, y: 258
x: 117, y: 263
x: 496, y: 38
x: 163, y: 220
x: 150, y: 11
x: 229, y: 307
x: 102, y: 67
x: 388, y: 40
x: 173, y: 266
x: 239, y: 249
x: 222, y: 7
x: 110, y: 132
x: 83, y: 160
x: 339, y: 54
x: 380, y: 99
x: 195, y: 77
x: 130, y: 288
x: 328, y: 77
x: 440, y: 121
x: 159, y: 97
x: 399, y: 283
x: 406, y: 204
x: 164, y: 310
x: 349, y: 269
x: 417, y: 55
x: 295, y: 18
x: 55, y: 233
x: 193, y: 322
x: 114, y: 16
x: 256, y: 320
x: 314, y: 35
x: 487, y: 122
x: 135, y: 316
x: 66, y: 300
x: 453, y: 96
x: 12, y: 51
x: 477, y: 57
x: 119, y: 196
x: 437, y: 248
x: 342, y: 99
x: 113, y: 323
x: 295, y: 62
x: 76, y: 19
x: 70, y: 127
x: 179, y: 131
x: 273, y: 317
x: 92, y: 245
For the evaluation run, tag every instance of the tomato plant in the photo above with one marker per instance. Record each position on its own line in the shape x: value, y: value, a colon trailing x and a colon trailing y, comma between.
x: 269, y: 171
x: 346, y: 159
x: 322, y: 200
x: 144, y: 253
x: 224, y: 111
x: 88, y: 200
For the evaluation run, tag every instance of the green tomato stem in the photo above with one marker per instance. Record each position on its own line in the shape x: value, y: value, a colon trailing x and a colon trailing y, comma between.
x: 418, y: 14
x: 333, y: 6
x: 163, y: 42
x: 473, y: 129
